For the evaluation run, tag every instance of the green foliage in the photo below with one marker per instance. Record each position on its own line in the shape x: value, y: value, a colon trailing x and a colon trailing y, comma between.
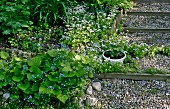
x: 14, y: 16
x: 36, y: 41
x: 48, y: 12
x: 56, y: 74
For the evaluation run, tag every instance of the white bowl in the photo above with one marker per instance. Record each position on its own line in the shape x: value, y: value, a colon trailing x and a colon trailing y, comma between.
x: 114, y: 60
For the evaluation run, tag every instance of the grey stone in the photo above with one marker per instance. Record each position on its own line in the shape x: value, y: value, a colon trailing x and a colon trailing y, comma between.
x: 97, y: 86
x: 91, y: 101
x: 6, y: 95
x: 89, y: 90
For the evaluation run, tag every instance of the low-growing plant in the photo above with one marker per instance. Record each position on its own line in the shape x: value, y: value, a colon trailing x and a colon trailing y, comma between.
x: 38, y: 81
x: 14, y: 16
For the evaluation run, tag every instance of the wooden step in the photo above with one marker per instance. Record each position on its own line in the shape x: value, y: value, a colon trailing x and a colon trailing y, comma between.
x: 149, y: 13
x: 153, y: 30
x: 152, y: 1
x: 132, y: 76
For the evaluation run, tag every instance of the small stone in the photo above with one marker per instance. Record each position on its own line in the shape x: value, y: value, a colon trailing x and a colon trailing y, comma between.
x: 89, y: 90
x: 6, y: 95
x: 91, y: 101
x: 97, y: 86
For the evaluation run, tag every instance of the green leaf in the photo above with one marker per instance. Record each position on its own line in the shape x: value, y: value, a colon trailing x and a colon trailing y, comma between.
x: 25, y: 25
x: 43, y: 89
x: 2, y: 75
x: 62, y: 98
x: 69, y: 74
x: 23, y: 86
x: 18, y: 78
x: 35, y: 61
x: 35, y: 69
x: 13, y: 96
x: 1, y: 65
x: 4, y: 55
x: 28, y: 91
x: 55, y: 79
x: 30, y: 76
x: 53, y: 52
x: 78, y: 57
x: 35, y: 87
x: 56, y: 90
x: 67, y: 68
x: 37, y: 96
x: 80, y: 72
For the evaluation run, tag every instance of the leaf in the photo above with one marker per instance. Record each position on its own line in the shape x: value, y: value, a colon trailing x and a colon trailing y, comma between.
x: 28, y: 91
x: 30, y: 76
x: 69, y: 74
x: 67, y: 68
x: 43, y: 89
x: 1, y: 65
x: 35, y: 61
x: 78, y: 57
x: 55, y: 79
x: 53, y: 52
x: 35, y: 87
x: 80, y: 72
x: 62, y: 98
x: 4, y: 55
x: 25, y: 25
x: 13, y: 96
x: 37, y: 96
x: 2, y: 75
x: 56, y: 90
x: 18, y: 78
x: 24, y: 86
x: 35, y: 69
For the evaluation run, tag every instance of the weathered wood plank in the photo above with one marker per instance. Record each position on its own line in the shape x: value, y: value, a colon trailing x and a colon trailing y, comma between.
x: 152, y: 1
x: 116, y: 22
x: 133, y: 76
x: 149, y: 13
x: 153, y: 30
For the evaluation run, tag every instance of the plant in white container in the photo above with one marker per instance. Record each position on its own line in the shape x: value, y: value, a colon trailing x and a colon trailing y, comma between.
x: 114, y: 54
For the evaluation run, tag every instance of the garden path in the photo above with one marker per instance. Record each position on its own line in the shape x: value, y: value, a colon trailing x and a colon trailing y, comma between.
x: 127, y: 94
x: 148, y: 23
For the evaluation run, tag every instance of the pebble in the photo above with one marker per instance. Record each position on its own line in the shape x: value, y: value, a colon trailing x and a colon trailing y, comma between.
x: 128, y: 94
x: 96, y: 86
x: 91, y: 101
x: 89, y: 90
x: 6, y: 95
x: 151, y: 7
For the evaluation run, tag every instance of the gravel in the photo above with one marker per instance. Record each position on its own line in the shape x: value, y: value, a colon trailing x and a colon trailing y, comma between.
x: 160, y: 62
x: 148, y: 38
x: 147, y: 21
x: 128, y: 94
x: 151, y: 7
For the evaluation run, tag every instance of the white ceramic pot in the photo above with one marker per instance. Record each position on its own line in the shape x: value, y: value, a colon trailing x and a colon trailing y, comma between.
x: 114, y: 60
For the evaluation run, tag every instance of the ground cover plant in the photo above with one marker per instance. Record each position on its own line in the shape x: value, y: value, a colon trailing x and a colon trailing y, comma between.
x: 67, y: 41
x: 37, y: 81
